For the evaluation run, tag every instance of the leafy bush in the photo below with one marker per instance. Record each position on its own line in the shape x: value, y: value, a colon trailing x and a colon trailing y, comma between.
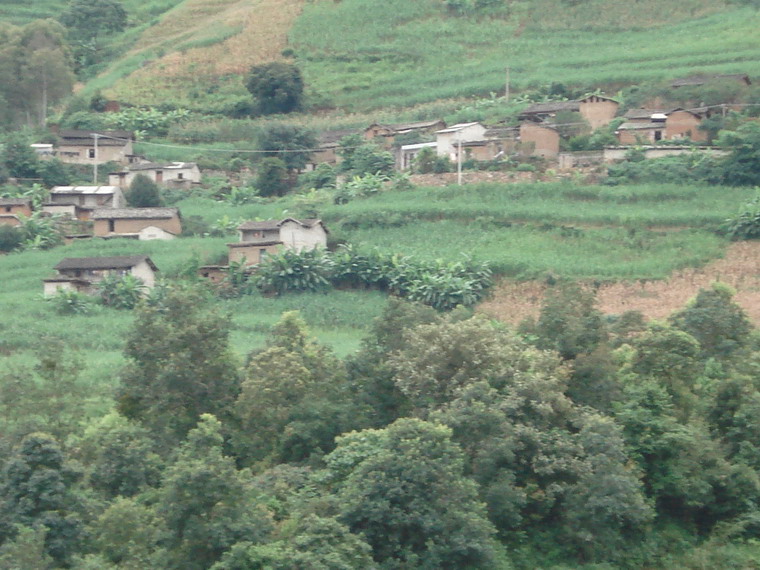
x: 746, y: 223
x: 360, y: 187
x: 121, y: 291
x: 308, y: 270
x: 70, y: 302
x: 39, y: 232
x: 10, y: 238
x: 439, y: 284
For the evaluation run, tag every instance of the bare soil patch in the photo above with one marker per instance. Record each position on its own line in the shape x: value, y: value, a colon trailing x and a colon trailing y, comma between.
x: 740, y: 268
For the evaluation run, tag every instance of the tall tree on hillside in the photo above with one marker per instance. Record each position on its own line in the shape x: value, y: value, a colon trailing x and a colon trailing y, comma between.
x: 40, y: 63
x: 179, y: 364
x: 88, y: 22
x: 277, y: 86
x: 143, y: 193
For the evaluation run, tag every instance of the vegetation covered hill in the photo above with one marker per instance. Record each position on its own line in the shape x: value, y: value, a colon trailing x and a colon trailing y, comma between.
x: 364, y: 55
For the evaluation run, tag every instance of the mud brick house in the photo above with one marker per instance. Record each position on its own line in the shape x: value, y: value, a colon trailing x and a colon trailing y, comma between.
x: 388, y: 133
x: 538, y: 139
x: 597, y: 110
x: 80, y: 147
x: 705, y: 79
x: 329, y: 143
x: 137, y: 223
x: 260, y: 239
x: 82, y: 274
x: 11, y: 208
x: 645, y: 126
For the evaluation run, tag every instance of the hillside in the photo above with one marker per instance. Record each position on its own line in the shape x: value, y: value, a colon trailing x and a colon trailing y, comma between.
x: 363, y: 55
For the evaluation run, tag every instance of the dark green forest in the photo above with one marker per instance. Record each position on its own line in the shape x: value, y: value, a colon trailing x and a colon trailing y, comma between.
x: 446, y: 441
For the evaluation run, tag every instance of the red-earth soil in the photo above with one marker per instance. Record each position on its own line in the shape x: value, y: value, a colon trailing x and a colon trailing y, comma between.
x: 740, y: 268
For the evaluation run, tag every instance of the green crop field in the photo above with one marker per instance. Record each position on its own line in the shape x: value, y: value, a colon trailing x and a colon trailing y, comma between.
x: 365, y: 55
x: 523, y: 230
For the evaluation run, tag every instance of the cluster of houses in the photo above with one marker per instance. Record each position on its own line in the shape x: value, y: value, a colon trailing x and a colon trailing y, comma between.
x: 539, y: 130
x: 257, y: 240
x: 104, y: 207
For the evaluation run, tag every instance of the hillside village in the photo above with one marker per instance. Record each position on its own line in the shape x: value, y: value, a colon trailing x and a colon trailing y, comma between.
x: 341, y: 285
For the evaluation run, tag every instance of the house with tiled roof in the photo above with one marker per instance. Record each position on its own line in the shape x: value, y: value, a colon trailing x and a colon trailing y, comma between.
x: 137, y: 223
x: 94, y: 147
x: 260, y: 239
x: 82, y: 274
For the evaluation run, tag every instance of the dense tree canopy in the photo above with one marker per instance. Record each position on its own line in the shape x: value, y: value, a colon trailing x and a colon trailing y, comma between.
x: 277, y: 87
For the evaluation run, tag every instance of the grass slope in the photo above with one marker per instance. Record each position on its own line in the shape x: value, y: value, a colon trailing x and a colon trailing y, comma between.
x: 365, y: 54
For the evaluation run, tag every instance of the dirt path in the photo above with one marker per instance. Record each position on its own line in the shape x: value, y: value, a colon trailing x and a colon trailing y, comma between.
x: 740, y: 268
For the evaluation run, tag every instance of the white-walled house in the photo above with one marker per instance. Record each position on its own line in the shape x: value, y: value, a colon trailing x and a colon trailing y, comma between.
x: 171, y: 174
x: 260, y: 239
x: 448, y: 139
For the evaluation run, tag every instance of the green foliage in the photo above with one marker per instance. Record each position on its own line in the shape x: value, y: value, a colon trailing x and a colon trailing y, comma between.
x: 720, y: 325
x: 120, y: 457
x: 427, y: 161
x: 277, y: 87
x: 18, y: 157
x: 292, y: 404
x: 121, y: 291
x: 569, y: 321
x: 148, y: 122
x: 143, y: 193
x: 90, y: 18
x: 10, y: 238
x: 206, y: 504
x: 290, y: 143
x: 272, y: 177
x: 688, y: 168
x: 404, y: 489
x: 360, y: 187
x: 742, y: 166
x: 746, y: 223
x: 68, y: 302
x: 39, y: 232
x: 36, y: 493
x: 157, y: 388
x: 308, y: 542
x: 26, y: 551
x: 308, y: 270
x: 369, y: 159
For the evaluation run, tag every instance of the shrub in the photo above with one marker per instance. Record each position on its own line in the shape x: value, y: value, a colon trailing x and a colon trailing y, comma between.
x: 121, y: 291
x: 143, y: 193
x: 70, y: 302
x: 272, y: 177
x: 293, y: 271
x: 10, y: 238
x: 746, y: 223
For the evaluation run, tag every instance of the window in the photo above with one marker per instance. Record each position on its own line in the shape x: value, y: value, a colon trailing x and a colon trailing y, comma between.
x: 111, y: 225
x: 91, y: 153
x: 658, y: 135
x: 7, y: 208
x: 180, y: 176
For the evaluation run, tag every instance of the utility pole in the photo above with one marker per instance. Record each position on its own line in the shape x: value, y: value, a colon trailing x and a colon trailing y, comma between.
x: 96, y: 136
x: 459, y: 157
x: 506, y: 89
